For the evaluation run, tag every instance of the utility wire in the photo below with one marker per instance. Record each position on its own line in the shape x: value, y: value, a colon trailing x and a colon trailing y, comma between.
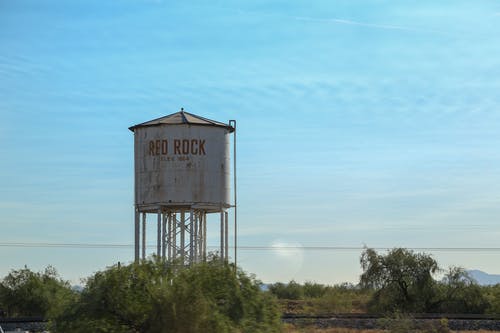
x: 247, y: 247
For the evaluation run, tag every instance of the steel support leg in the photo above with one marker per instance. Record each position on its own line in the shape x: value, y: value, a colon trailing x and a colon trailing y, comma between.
x: 226, y: 236
x: 195, y: 236
x: 204, y: 236
x: 183, y: 231
x: 164, y: 236
x: 143, y: 235
x: 137, y: 231
x: 191, y: 237
x: 174, y: 236
x: 158, y: 236
x: 222, y: 247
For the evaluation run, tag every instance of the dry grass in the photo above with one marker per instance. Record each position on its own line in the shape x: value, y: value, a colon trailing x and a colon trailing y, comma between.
x: 291, y: 329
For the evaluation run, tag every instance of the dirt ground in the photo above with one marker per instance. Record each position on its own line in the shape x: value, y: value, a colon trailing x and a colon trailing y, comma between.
x: 290, y: 329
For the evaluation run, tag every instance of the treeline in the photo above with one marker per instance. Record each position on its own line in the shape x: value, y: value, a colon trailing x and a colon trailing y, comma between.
x: 157, y: 296
x: 399, y: 281
x: 150, y: 296
x: 315, y: 298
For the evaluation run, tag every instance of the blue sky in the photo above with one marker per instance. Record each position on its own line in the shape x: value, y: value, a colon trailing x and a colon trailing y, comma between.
x: 359, y: 123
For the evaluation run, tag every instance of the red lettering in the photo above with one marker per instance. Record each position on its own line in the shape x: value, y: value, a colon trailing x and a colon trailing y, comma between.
x: 157, y: 147
x: 201, y: 144
x: 151, y: 148
x: 181, y: 147
x: 177, y: 147
x: 164, y: 147
x: 194, y: 150
x: 185, y: 147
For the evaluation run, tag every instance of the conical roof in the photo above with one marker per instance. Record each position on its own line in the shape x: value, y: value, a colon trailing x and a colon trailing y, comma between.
x: 182, y: 117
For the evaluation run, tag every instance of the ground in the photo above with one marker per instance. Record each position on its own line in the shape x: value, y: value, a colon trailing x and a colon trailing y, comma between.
x: 291, y: 329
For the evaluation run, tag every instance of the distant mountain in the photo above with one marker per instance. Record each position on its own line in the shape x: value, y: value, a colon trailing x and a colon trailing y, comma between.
x: 483, y: 278
x: 78, y: 289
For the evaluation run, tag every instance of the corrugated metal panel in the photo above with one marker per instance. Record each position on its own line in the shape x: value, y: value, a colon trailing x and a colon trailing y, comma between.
x: 182, y: 165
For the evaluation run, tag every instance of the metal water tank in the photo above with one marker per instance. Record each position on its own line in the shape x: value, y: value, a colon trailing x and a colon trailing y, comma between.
x: 182, y: 161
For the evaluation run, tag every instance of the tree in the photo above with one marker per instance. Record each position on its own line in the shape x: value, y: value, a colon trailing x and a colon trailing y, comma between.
x: 314, y: 290
x: 27, y: 293
x: 492, y: 295
x: 155, y: 296
x: 291, y: 290
x: 461, y: 294
x: 402, y: 280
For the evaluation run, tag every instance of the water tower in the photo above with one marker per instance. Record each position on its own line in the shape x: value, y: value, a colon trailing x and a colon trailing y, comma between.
x: 182, y: 174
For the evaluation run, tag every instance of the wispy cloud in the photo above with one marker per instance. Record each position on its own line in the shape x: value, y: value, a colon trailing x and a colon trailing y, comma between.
x: 328, y: 20
x: 368, y: 25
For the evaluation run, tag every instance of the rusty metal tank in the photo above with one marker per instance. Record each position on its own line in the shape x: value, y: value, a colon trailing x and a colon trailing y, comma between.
x: 182, y: 161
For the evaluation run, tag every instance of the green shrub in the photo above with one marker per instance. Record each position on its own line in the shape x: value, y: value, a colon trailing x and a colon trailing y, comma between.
x: 344, y: 298
x: 151, y: 297
x: 314, y: 290
x: 291, y: 290
x: 492, y: 295
x: 27, y: 293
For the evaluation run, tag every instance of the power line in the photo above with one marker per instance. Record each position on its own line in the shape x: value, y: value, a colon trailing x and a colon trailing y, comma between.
x: 65, y: 245
x: 246, y: 247
x: 357, y: 248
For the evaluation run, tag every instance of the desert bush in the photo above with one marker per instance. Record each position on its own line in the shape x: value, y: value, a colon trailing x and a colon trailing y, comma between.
x: 154, y: 297
x: 492, y: 295
x: 291, y: 290
x: 314, y: 290
x: 402, y: 280
x: 24, y: 292
x: 459, y: 293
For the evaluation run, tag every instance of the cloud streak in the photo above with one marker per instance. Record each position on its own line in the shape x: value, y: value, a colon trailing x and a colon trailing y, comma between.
x: 369, y: 25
